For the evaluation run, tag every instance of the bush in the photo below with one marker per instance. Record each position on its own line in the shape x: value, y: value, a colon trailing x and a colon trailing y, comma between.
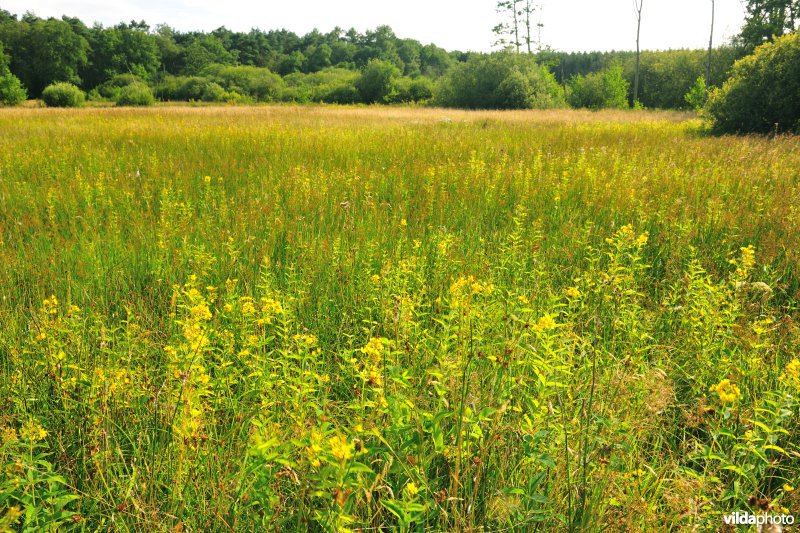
x: 377, y: 81
x: 11, y: 90
x: 135, y: 94
x: 112, y: 88
x: 63, y: 94
x: 696, y: 96
x: 213, y: 92
x: 606, y: 89
x: 499, y: 81
x: 258, y: 83
x: 762, y: 93
x: 339, y: 94
x: 181, y: 88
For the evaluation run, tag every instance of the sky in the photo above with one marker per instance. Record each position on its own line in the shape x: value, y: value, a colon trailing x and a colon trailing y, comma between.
x: 577, y: 25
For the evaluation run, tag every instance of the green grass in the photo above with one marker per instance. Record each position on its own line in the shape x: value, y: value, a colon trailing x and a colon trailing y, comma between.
x: 329, y: 318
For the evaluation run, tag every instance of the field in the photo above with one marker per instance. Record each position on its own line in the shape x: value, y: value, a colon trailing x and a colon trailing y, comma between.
x: 332, y: 319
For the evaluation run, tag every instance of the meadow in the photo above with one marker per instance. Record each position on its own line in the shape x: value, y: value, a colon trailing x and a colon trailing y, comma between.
x: 333, y: 319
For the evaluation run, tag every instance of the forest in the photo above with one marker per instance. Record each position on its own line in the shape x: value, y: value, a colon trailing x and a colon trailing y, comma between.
x: 139, y: 64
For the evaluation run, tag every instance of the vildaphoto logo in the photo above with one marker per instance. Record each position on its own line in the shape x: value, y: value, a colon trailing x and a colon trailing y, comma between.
x: 743, y: 518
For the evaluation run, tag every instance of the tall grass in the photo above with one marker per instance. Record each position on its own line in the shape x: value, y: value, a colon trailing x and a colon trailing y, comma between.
x: 331, y: 319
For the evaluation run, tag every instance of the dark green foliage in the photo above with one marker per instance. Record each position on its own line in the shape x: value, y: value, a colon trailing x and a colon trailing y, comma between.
x: 44, y: 51
x: 181, y: 88
x: 666, y: 76
x: 123, y: 49
x: 500, y: 81
x: 376, y: 82
x: 762, y: 93
x: 135, y: 94
x: 213, y: 92
x: 258, y: 83
x: 767, y: 19
x: 111, y: 89
x: 606, y: 89
x: 11, y: 90
x: 63, y: 94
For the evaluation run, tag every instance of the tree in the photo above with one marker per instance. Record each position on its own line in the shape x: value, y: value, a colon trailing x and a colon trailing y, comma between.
x: 123, y: 49
x: 606, y: 89
x: 761, y: 94
x: 509, y: 27
x: 376, y: 81
x: 710, y: 48
x: 503, y: 80
x: 638, y: 6
x: 11, y: 90
x: 767, y: 19
x: 47, y: 51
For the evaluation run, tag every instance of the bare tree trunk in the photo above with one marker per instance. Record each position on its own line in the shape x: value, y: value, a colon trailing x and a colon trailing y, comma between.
x: 516, y: 23
x: 638, y: 4
x: 528, y: 8
x: 710, y: 46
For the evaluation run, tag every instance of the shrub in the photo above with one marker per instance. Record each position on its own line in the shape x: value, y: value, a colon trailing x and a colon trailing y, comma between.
x: 135, y: 94
x: 342, y: 93
x: 111, y: 89
x: 499, y: 81
x: 762, y: 93
x: 376, y: 81
x: 696, y: 96
x: 63, y: 94
x: 181, y: 88
x: 213, y: 92
x: 258, y: 83
x: 11, y: 90
x: 606, y: 89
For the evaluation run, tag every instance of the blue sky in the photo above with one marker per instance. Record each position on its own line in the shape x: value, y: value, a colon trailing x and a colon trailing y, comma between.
x: 464, y: 25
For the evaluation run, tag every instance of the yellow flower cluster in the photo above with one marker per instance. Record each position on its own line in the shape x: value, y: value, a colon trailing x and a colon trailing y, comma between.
x: 341, y: 448
x: 375, y: 347
x: 269, y: 310
x: 572, y: 293
x: 728, y: 392
x: 626, y: 235
x: 745, y: 264
x: 793, y: 372
x: 546, y: 323
x: 33, y: 431
x: 306, y: 339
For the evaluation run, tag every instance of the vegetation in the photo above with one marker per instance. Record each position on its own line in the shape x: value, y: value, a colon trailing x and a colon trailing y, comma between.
x: 329, y: 319
x: 11, y: 90
x: 135, y: 94
x: 606, y: 89
x: 374, y: 67
x: 63, y: 94
x: 500, y: 81
x: 762, y: 93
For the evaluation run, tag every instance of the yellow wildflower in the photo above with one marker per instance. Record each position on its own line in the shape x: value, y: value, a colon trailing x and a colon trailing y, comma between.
x: 788, y: 488
x: 546, y: 323
x: 728, y: 392
x: 341, y: 449
x: 32, y: 431
x: 375, y: 347
x: 793, y: 369
x: 411, y: 489
x: 8, y: 435
x: 573, y: 293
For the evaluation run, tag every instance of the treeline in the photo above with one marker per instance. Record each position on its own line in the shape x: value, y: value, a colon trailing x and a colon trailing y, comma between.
x: 132, y: 63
